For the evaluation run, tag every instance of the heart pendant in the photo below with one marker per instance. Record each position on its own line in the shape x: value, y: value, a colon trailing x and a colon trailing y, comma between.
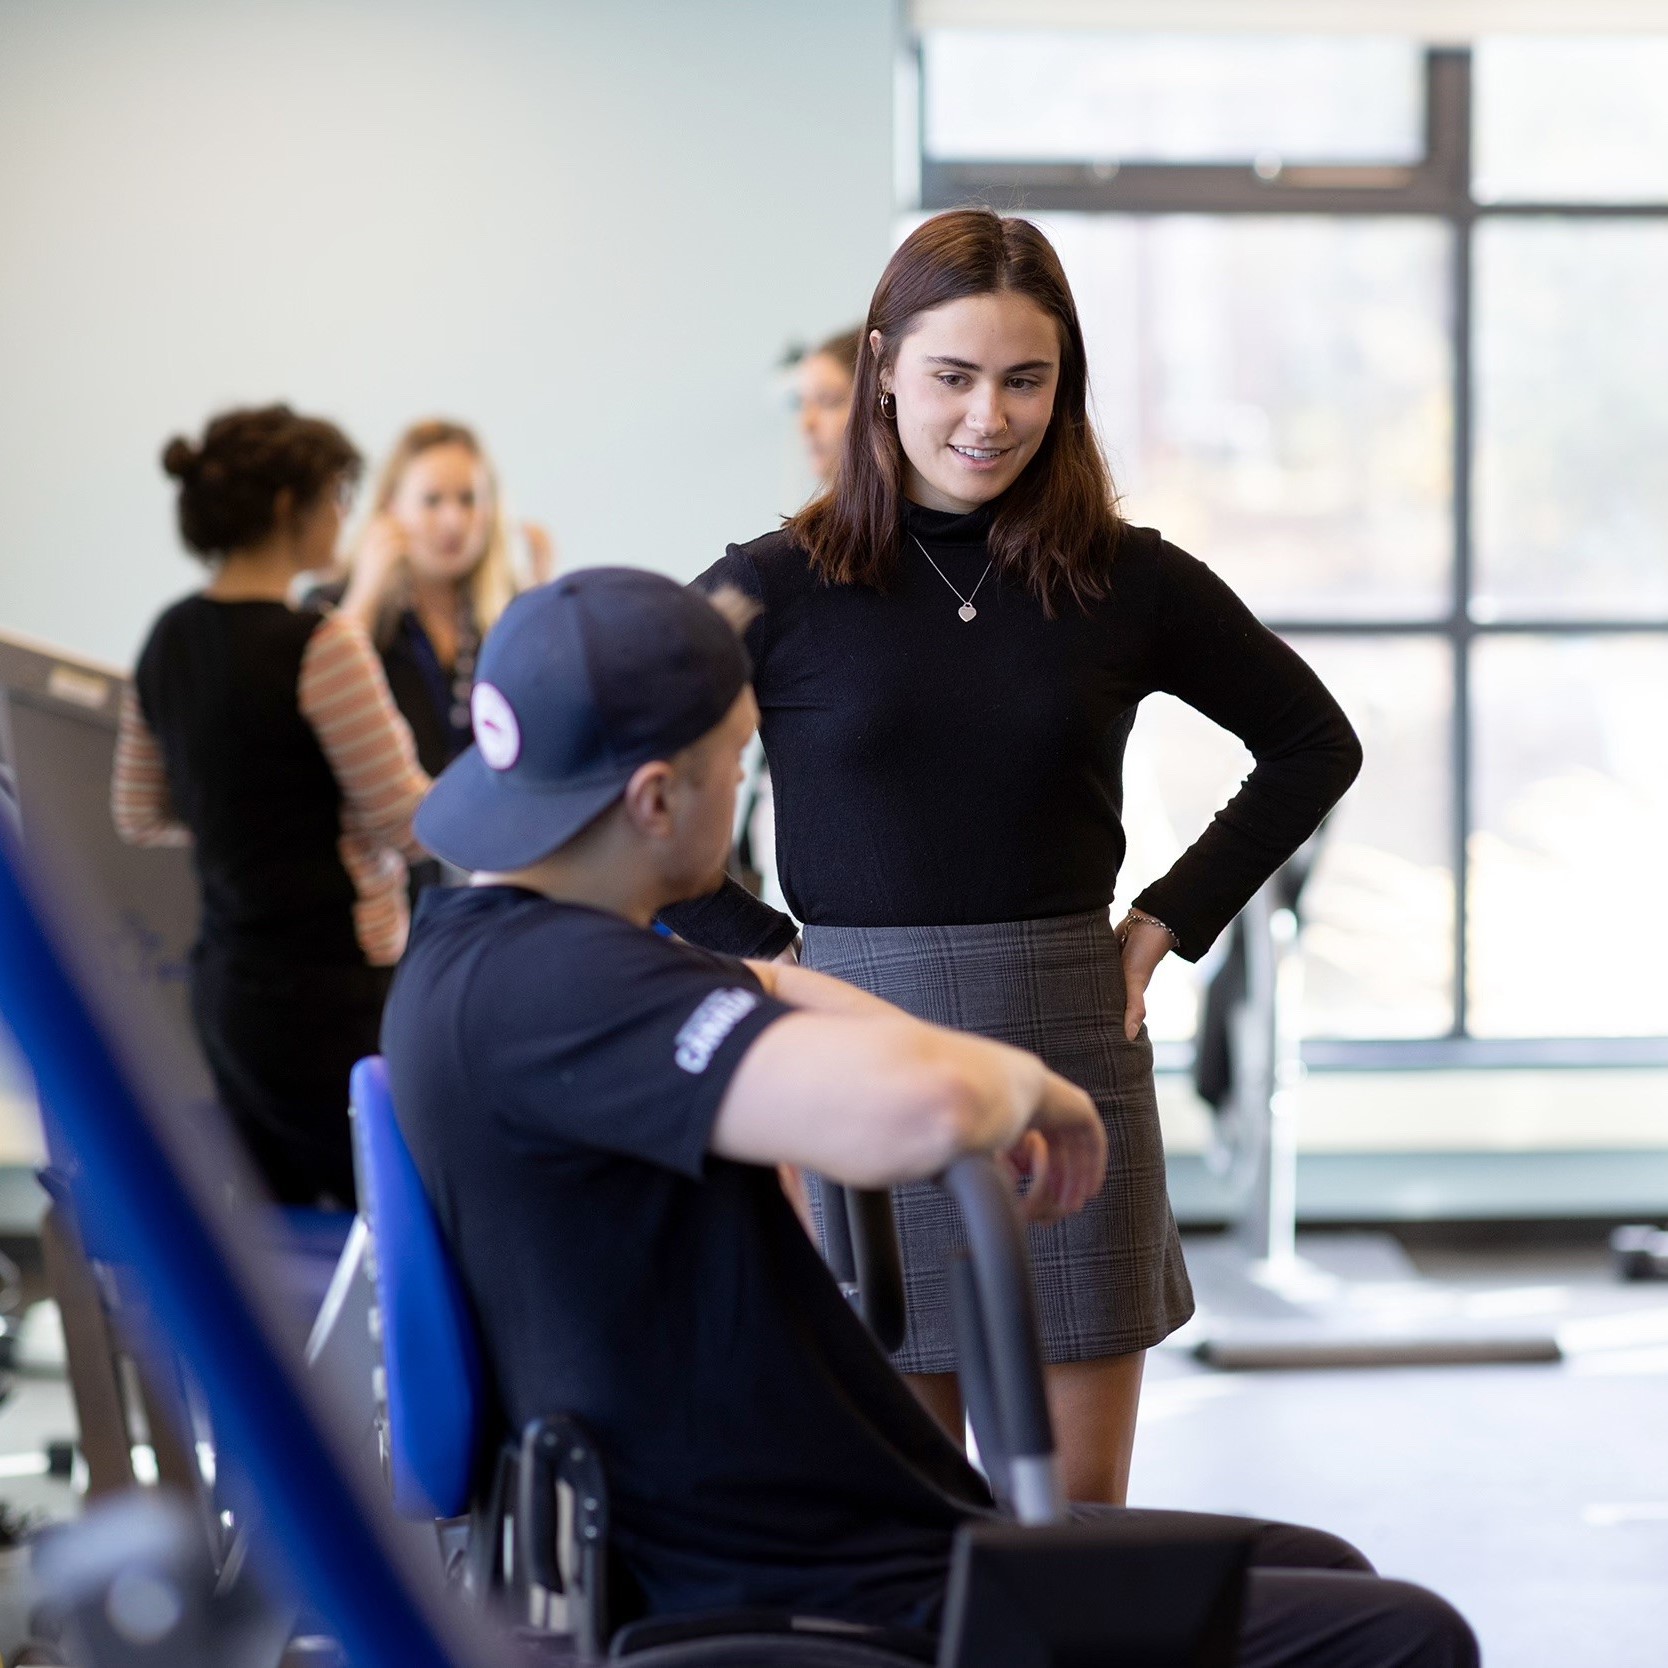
x: 967, y: 611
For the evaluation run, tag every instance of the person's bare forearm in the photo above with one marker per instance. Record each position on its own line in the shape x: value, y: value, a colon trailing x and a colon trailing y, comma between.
x: 1004, y: 1085
x: 873, y: 1101
x: 818, y: 993
x: 858, y: 1090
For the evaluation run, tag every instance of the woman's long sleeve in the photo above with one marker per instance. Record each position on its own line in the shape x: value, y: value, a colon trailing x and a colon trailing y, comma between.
x: 1212, y: 652
x: 734, y: 922
x: 343, y: 695
x: 140, y: 803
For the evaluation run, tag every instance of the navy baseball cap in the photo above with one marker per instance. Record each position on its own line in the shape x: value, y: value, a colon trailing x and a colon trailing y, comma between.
x: 579, y: 683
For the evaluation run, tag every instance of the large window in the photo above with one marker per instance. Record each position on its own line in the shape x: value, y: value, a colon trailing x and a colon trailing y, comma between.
x: 1069, y: 95
x: 1379, y: 332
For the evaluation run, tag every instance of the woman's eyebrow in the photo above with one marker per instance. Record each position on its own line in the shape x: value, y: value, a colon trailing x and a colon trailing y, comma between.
x: 968, y: 365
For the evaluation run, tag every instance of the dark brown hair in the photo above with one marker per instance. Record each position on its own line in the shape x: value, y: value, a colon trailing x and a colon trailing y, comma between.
x: 1058, y: 524
x: 231, y: 479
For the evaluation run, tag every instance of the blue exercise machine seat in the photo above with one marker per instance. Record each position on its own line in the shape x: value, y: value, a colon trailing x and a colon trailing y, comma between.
x: 431, y: 1385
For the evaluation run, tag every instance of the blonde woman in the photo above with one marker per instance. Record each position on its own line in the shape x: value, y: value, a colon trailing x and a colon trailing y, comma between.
x: 430, y: 576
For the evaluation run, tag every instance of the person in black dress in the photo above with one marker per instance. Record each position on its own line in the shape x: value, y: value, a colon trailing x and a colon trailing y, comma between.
x: 954, y: 639
x: 264, y: 737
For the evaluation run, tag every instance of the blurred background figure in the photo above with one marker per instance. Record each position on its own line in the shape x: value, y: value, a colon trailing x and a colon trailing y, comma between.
x: 430, y: 575
x: 823, y: 378
x: 263, y: 735
x: 822, y: 384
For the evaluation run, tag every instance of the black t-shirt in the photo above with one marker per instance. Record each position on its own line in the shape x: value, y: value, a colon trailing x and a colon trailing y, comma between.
x: 930, y: 772
x: 557, y: 1072
x: 218, y: 685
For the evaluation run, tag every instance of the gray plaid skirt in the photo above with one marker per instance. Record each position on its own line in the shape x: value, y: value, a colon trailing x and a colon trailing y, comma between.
x: 1111, y: 1279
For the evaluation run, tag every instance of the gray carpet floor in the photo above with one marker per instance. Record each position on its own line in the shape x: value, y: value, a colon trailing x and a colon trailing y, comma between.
x: 1533, y: 1497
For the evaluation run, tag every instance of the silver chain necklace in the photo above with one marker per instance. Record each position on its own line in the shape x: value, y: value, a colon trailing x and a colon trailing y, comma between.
x: 967, y: 611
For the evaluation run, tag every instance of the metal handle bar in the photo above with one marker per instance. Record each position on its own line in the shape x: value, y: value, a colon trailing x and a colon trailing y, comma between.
x: 860, y: 1237
x: 1003, y: 1362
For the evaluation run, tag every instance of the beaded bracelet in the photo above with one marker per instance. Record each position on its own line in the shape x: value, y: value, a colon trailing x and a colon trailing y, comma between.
x: 1151, y: 921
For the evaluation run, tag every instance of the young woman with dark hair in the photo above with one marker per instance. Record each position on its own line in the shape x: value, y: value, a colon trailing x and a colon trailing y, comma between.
x: 954, y: 638
x: 264, y: 736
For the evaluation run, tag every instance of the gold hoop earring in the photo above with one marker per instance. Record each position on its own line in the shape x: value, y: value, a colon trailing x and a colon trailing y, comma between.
x: 888, y: 406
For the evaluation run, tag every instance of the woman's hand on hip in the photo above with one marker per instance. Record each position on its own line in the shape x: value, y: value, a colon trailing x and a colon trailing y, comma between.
x: 1145, y: 945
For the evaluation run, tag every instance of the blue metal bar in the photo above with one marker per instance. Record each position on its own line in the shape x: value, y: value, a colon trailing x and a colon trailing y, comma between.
x: 209, y: 1299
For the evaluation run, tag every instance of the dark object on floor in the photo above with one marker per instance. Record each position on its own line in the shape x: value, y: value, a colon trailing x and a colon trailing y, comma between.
x: 1043, y: 1595
x: 36, y: 1653
x: 1640, y: 1252
x: 132, y: 1586
x: 17, y: 1527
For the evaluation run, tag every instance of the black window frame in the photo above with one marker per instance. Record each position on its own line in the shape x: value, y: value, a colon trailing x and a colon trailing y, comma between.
x: 1438, y: 186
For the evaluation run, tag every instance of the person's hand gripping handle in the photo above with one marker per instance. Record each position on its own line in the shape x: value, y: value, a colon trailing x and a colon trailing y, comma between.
x: 1063, y: 1151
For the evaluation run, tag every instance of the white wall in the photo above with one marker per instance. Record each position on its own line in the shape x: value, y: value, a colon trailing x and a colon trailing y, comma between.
x: 587, y: 226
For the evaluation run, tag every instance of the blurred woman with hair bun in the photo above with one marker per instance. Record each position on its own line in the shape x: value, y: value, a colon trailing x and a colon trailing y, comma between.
x: 430, y: 575
x: 264, y: 737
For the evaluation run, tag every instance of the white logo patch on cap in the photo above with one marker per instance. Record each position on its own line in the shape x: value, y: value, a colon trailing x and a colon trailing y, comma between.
x: 497, y: 733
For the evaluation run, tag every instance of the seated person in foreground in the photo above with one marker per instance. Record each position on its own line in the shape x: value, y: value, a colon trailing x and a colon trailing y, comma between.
x: 598, y: 1113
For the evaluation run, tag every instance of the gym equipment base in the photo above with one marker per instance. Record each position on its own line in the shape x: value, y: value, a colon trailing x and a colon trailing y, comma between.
x: 1343, y: 1300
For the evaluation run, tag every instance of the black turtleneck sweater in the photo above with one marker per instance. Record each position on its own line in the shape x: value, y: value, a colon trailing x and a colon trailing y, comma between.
x: 930, y: 771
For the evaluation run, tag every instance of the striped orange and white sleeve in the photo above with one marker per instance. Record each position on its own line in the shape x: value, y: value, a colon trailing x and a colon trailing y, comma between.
x: 140, y: 803
x: 344, y: 696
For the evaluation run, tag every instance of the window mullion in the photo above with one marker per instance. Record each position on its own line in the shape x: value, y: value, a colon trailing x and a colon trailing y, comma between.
x: 1449, y: 84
